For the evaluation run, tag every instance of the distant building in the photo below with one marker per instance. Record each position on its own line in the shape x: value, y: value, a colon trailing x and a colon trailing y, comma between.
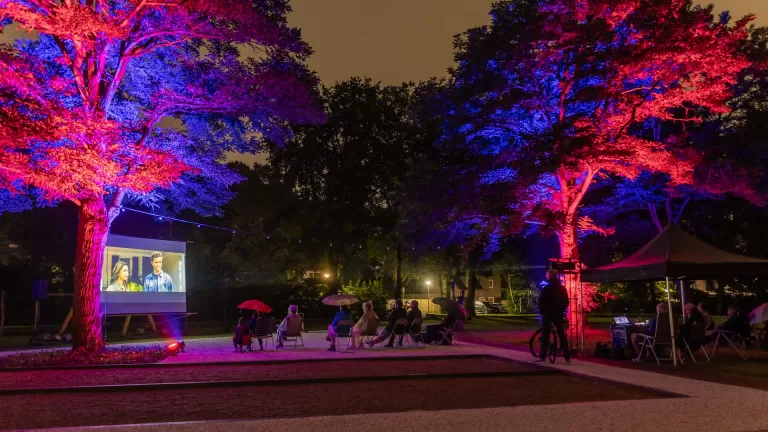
x: 489, y: 289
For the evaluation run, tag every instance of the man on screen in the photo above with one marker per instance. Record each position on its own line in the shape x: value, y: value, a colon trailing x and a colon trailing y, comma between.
x: 158, y: 280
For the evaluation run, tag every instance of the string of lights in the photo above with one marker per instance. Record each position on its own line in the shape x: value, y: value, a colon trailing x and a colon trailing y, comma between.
x: 198, y: 224
x: 236, y: 231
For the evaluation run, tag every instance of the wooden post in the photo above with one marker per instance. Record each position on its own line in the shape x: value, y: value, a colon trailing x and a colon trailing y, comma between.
x: 2, y: 312
x: 125, y: 324
x: 64, y: 325
x: 152, y: 323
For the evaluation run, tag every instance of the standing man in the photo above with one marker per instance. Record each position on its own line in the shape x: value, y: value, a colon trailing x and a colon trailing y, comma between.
x: 158, y: 280
x: 553, y: 301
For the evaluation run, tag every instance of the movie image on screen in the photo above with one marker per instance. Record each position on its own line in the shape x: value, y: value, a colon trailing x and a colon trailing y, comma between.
x: 143, y: 276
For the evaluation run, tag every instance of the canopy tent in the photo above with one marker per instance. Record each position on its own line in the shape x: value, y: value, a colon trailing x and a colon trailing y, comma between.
x: 675, y: 254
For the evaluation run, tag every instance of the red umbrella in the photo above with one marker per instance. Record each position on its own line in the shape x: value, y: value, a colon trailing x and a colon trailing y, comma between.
x: 255, y: 305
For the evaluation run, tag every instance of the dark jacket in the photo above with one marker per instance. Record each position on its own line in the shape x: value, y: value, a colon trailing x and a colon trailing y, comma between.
x: 412, y: 315
x: 685, y: 329
x: 737, y: 324
x: 396, y: 314
x: 553, y: 298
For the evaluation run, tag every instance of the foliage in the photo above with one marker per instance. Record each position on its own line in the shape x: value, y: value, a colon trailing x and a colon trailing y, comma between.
x: 374, y: 292
x: 346, y: 172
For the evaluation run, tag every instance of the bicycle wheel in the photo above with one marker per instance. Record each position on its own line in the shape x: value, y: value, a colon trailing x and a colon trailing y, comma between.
x: 552, y: 354
x: 534, y: 345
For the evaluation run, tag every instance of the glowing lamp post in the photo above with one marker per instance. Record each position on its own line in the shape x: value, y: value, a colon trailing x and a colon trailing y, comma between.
x: 429, y: 299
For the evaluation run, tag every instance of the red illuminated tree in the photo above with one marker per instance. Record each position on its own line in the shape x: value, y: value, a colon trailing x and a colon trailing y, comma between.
x: 553, y: 95
x: 81, y: 109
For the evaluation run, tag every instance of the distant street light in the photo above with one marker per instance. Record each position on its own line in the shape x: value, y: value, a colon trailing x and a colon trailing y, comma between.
x: 326, y: 275
x: 429, y: 300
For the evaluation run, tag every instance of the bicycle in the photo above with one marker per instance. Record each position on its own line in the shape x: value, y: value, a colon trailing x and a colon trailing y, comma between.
x: 534, y: 344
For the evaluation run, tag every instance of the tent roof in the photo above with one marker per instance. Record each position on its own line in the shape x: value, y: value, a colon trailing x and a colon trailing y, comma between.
x: 676, y: 254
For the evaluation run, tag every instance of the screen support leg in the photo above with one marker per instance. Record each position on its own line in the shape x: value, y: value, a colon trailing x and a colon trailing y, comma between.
x: 125, y: 324
x: 65, y: 324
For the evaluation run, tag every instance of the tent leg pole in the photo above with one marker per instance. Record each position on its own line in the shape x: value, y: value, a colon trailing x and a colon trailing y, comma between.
x: 581, y: 324
x: 681, y: 287
x: 671, y: 326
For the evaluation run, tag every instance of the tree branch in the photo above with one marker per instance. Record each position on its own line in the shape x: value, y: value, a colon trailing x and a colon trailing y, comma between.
x: 682, y: 208
x: 655, y: 217
x: 584, y: 186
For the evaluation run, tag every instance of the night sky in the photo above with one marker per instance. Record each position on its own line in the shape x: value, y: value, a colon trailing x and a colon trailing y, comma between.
x: 403, y: 40
x: 407, y: 40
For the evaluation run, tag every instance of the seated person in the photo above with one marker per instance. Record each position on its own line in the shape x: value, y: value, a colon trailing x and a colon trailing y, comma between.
x: 369, y: 317
x: 692, y: 316
x: 335, y: 329
x: 707, y: 318
x: 413, y: 314
x: 435, y: 332
x: 241, y: 331
x: 257, y: 326
x: 661, y: 312
x: 292, y: 324
x: 389, y: 331
x: 736, y: 323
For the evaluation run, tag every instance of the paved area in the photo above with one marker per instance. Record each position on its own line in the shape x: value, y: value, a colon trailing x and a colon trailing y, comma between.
x: 707, y: 407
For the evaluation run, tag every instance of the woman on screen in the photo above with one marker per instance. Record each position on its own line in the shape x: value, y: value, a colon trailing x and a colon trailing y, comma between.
x: 119, y: 279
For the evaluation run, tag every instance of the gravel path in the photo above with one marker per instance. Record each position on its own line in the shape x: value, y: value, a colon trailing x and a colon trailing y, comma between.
x: 251, y: 372
x: 303, y: 400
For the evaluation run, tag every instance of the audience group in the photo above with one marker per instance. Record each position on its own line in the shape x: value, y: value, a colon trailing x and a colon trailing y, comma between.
x: 401, y: 320
x: 735, y: 323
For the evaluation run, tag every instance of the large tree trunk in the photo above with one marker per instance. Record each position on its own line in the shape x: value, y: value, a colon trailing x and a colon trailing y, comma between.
x: 569, y: 249
x: 334, y: 284
x: 398, y: 294
x: 92, y: 230
x: 472, y: 282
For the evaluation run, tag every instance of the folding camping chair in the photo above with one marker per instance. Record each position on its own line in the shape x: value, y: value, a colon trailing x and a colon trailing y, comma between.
x: 449, y: 335
x: 729, y: 337
x: 696, y: 338
x: 367, y: 334
x: 414, y: 331
x: 662, y: 338
x: 399, y: 330
x: 293, y: 332
x: 344, y: 334
x: 264, y: 331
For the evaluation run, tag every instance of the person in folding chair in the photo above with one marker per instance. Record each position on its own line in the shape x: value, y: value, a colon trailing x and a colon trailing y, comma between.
x: 258, y: 326
x: 735, y: 329
x: 661, y: 309
x: 369, y: 317
x: 413, y: 314
x: 397, y: 313
x: 335, y: 328
x: 291, y: 326
x: 436, y: 332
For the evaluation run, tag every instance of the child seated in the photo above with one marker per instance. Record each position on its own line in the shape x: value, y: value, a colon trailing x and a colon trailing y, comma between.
x: 239, y: 338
